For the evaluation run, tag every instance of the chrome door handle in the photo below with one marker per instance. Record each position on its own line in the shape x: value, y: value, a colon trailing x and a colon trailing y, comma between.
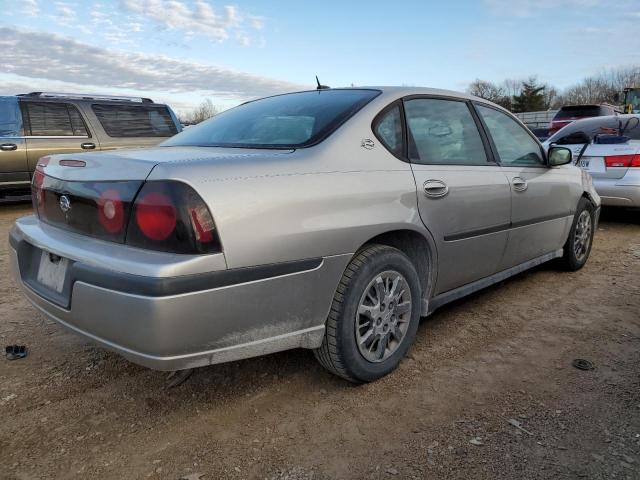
x: 88, y: 146
x: 519, y: 184
x: 7, y: 147
x: 435, y: 188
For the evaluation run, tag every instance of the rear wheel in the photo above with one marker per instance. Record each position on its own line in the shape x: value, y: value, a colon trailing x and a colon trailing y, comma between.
x: 374, y: 315
x: 578, y: 246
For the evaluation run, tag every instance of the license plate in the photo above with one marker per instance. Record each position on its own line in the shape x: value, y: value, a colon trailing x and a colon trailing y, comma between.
x: 52, y: 271
x: 584, y: 164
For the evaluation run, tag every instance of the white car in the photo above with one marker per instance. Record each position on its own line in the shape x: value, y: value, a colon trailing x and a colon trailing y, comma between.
x: 611, y: 155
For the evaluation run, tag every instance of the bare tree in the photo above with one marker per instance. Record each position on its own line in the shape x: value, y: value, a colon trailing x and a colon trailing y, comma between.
x: 489, y: 91
x: 202, y: 112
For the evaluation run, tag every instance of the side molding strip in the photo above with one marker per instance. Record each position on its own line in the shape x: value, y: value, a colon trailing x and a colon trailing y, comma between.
x: 452, y: 295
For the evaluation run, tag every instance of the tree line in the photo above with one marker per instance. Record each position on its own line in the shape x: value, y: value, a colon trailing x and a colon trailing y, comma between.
x: 530, y: 95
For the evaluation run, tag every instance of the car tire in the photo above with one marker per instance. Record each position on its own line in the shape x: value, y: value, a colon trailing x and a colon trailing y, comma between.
x: 578, y: 245
x: 365, y: 338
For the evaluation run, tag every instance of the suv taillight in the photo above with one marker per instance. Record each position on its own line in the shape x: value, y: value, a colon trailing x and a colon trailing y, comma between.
x: 171, y: 217
x: 626, y: 161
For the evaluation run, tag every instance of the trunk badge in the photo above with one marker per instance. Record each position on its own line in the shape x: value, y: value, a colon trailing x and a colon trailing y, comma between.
x: 65, y: 204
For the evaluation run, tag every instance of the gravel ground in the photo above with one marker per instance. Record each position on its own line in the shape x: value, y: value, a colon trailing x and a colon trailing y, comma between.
x: 478, y: 368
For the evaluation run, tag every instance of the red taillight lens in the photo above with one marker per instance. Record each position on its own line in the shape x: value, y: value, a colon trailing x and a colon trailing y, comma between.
x: 38, y: 182
x: 111, y: 211
x: 625, y: 161
x: 156, y: 215
x: 171, y: 217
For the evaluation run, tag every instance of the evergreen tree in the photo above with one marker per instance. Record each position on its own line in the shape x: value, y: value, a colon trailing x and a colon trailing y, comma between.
x: 531, y: 97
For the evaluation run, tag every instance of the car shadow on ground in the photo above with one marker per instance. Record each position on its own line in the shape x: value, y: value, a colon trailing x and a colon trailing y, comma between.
x: 620, y: 215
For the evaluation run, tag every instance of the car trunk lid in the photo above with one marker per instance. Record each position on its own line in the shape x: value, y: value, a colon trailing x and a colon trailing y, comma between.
x: 610, y: 161
x: 94, y: 193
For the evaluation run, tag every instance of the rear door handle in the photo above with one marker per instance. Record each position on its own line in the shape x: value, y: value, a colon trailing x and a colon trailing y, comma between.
x: 88, y: 146
x: 435, y: 188
x: 7, y: 147
x: 519, y: 184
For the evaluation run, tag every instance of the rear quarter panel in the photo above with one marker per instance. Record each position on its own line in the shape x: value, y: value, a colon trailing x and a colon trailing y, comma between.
x: 315, y: 202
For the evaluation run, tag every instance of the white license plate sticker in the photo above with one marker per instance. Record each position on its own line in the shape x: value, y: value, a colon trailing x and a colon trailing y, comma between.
x: 52, y: 271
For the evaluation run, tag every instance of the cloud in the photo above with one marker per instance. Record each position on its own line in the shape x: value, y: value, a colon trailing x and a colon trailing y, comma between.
x: 52, y: 57
x: 200, y: 17
x: 530, y: 8
x: 65, y: 14
x: 30, y: 8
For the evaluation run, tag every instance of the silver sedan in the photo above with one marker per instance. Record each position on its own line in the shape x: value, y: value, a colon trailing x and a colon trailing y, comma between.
x: 330, y: 220
x: 609, y: 149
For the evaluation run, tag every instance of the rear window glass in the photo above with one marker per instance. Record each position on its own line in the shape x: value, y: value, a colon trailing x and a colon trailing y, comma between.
x: 606, y: 125
x: 284, y: 121
x: 10, y: 117
x: 580, y: 111
x: 135, y: 120
x: 54, y: 119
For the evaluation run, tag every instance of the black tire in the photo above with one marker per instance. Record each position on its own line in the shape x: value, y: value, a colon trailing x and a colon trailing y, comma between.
x: 339, y: 352
x: 575, y: 258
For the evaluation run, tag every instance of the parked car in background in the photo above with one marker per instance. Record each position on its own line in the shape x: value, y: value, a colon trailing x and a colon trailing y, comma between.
x: 541, y: 133
x: 330, y: 220
x: 37, y: 124
x: 570, y: 113
x: 611, y: 154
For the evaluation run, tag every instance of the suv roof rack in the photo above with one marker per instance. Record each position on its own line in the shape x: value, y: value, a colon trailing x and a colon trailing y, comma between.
x: 87, y: 96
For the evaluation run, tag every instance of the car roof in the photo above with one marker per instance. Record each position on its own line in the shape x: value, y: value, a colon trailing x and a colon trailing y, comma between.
x: 389, y: 93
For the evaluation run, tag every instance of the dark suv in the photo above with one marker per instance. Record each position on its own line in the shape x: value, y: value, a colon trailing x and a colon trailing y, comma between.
x: 569, y: 113
x: 36, y: 124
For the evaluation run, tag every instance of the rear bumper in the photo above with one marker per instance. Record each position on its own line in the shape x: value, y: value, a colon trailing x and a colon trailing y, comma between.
x: 172, y: 323
x: 620, y: 192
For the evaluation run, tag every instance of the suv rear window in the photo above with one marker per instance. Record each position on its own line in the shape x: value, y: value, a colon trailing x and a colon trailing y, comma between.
x: 135, y: 120
x: 284, y: 121
x: 578, y: 111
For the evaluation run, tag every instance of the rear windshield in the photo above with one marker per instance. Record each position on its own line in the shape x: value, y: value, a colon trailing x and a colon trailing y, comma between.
x: 578, y: 111
x: 606, y: 125
x: 284, y: 121
x: 135, y: 120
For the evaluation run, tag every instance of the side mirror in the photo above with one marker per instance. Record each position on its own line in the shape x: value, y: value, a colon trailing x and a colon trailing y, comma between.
x: 574, y: 138
x: 559, y: 156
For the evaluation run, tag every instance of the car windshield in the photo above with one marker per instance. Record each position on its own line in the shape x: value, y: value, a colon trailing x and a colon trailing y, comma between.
x: 607, y: 125
x: 578, y: 111
x: 283, y: 121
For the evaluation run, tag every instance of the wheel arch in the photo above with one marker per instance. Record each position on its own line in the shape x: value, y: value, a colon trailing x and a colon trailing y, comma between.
x: 420, y: 249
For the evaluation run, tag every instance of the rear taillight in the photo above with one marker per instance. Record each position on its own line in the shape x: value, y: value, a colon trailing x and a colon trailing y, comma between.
x: 111, y: 211
x: 171, y: 217
x: 156, y: 216
x: 625, y: 161
x: 37, y: 192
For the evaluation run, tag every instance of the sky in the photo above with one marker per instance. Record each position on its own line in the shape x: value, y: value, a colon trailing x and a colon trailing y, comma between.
x: 183, y: 51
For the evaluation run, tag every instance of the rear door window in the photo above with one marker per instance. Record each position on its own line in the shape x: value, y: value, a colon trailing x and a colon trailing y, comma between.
x: 54, y: 120
x: 135, y: 120
x: 443, y: 132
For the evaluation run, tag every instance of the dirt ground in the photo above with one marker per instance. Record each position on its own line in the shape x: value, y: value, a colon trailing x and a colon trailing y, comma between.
x: 71, y: 410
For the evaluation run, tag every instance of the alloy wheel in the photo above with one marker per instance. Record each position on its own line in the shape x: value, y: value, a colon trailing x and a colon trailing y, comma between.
x: 383, y: 316
x: 582, y: 235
